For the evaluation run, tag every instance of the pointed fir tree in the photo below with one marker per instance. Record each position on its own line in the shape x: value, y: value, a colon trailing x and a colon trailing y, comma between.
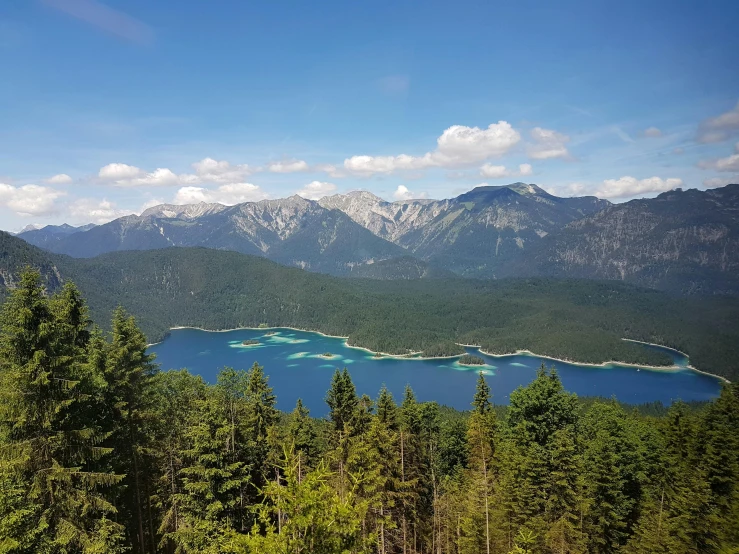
x: 53, y: 499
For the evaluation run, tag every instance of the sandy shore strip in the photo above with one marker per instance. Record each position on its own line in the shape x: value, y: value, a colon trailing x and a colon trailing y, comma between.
x: 672, y: 368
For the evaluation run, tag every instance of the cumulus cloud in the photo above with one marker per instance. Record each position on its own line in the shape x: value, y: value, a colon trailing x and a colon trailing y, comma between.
x: 716, y: 182
x: 499, y: 171
x: 330, y: 170
x: 368, y: 165
x: 209, y: 170
x: 206, y: 170
x: 631, y: 186
x: 317, y: 190
x: 719, y: 128
x: 730, y: 163
x: 229, y: 194
x: 90, y: 210
x: 458, y: 146
x: 118, y: 172
x: 60, y: 179
x: 403, y: 193
x: 289, y: 166
x: 30, y: 200
x: 548, y: 144
x: 652, y: 132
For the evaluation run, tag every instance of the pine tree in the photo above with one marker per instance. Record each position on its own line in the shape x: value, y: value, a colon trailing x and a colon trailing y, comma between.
x: 177, y: 394
x: 53, y: 500
x: 342, y: 401
x: 476, y: 524
x: 260, y: 418
x: 129, y: 371
x: 302, y: 435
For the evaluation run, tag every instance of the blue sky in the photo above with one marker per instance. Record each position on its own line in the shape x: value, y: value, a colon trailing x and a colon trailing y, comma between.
x: 108, y: 106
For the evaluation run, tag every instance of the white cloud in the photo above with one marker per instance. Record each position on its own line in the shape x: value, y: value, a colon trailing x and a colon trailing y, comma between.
x: 719, y: 128
x: 289, y: 166
x: 652, y: 132
x: 90, y: 210
x: 458, y: 146
x: 60, y: 179
x: 525, y: 169
x: 494, y: 171
x: 118, y: 172
x: 209, y: 170
x: 631, y: 186
x: 716, y: 182
x: 499, y: 171
x: 30, y: 200
x: 548, y: 144
x: 229, y: 194
x: 730, y: 163
x: 330, y: 170
x: 317, y: 190
x: 160, y: 177
x: 402, y: 193
x: 369, y: 165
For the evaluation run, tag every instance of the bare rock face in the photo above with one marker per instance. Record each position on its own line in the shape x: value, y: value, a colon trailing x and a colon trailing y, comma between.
x: 687, y: 241
x: 293, y: 231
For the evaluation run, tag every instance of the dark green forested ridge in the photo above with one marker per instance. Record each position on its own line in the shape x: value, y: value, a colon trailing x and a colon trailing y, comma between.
x: 100, y: 452
x: 567, y: 319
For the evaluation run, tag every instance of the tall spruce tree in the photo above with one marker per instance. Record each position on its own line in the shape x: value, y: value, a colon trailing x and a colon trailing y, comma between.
x: 54, y: 497
x: 129, y: 371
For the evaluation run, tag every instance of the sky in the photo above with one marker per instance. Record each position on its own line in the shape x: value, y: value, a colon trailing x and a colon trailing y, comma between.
x: 111, y: 106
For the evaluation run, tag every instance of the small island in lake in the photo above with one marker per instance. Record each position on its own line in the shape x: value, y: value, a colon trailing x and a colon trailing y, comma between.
x: 469, y: 359
x: 327, y: 355
x: 250, y: 342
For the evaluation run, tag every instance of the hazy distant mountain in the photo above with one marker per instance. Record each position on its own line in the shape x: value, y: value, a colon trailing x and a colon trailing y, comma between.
x: 44, y: 237
x: 293, y: 231
x: 686, y: 241
x: 681, y: 240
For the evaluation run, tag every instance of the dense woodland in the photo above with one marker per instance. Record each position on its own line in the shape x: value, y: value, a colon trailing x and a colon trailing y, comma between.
x: 100, y: 452
x: 580, y: 320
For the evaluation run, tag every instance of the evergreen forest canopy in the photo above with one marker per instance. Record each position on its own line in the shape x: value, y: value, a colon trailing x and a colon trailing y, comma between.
x: 102, y: 452
x: 579, y: 320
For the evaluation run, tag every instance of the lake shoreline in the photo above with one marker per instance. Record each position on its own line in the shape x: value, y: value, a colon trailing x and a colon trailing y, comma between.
x: 410, y: 356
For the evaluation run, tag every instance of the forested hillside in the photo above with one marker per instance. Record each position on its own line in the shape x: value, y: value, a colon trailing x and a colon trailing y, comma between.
x: 579, y: 320
x: 100, y: 452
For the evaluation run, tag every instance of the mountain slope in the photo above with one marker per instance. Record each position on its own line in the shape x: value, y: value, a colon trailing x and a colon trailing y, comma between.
x: 686, y: 241
x: 293, y: 231
x: 405, y: 267
x: 476, y: 234
x: 44, y: 237
x: 574, y: 319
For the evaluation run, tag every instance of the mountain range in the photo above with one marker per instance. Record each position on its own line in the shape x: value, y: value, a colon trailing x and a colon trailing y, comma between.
x: 683, y: 241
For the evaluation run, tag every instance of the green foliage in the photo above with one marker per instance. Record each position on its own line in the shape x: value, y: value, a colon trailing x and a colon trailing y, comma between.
x: 469, y: 359
x: 577, y: 320
x: 100, y: 452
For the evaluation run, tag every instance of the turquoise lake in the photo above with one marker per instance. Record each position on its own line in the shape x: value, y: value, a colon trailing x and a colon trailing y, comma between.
x: 296, y: 367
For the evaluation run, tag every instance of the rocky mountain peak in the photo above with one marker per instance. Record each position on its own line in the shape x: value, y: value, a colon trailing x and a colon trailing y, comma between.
x: 184, y: 211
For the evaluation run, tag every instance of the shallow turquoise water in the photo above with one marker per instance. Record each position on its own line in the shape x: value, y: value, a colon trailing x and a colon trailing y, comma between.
x: 296, y: 367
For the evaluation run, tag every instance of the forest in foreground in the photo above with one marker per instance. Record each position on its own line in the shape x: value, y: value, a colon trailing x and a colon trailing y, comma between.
x: 100, y: 452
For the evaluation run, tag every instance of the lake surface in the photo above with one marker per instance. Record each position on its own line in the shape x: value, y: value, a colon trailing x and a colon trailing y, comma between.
x: 296, y: 367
